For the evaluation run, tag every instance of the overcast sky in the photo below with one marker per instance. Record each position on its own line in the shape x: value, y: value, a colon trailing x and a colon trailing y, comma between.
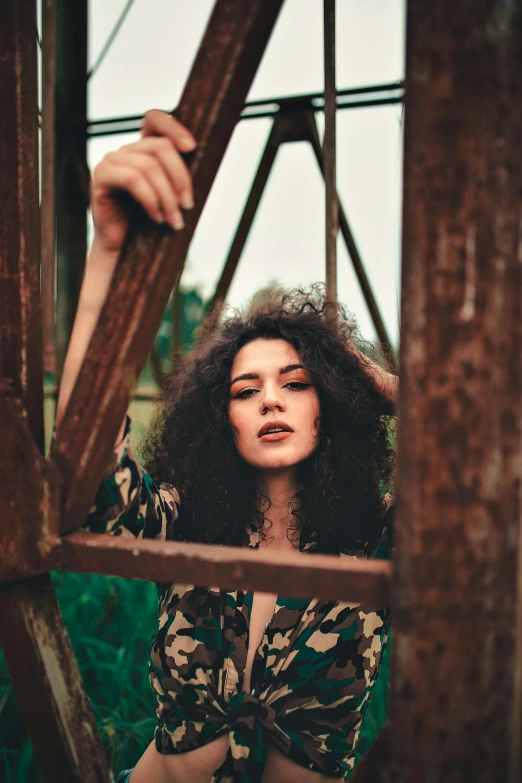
x: 147, y: 67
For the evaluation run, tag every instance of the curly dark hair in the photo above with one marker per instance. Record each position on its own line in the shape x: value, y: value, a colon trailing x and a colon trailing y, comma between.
x: 191, y: 445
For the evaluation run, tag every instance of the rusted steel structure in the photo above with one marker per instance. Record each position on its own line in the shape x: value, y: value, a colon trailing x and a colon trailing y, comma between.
x: 293, y: 124
x: 460, y: 461
x: 456, y: 681
x: 330, y: 100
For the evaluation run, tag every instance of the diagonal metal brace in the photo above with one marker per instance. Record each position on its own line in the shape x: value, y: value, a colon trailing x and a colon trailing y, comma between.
x: 152, y: 259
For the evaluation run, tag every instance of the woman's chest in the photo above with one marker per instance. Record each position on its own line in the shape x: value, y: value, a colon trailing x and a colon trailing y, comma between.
x: 261, y: 613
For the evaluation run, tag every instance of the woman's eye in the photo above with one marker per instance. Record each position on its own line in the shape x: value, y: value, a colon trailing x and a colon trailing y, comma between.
x: 243, y: 395
x: 297, y: 385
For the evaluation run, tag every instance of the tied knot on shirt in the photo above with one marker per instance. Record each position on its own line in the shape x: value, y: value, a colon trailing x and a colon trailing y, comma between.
x: 249, y: 721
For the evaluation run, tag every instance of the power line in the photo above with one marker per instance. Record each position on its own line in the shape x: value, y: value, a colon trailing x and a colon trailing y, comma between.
x: 111, y: 38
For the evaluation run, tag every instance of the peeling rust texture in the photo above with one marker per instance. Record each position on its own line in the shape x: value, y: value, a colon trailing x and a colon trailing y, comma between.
x: 287, y: 573
x: 20, y: 325
x: 37, y: 651
x: 47, y: 209
x: 153, y: 257
x: 460, y: 407
x: 39, y: 654
x: 30, y: 497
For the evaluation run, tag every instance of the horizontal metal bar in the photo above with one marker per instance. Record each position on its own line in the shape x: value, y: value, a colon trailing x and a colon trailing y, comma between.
x: 285, y: 99
x: 261, y: 115
x: 286, y: 573
x: 399, y: 85
x: 268, y: 108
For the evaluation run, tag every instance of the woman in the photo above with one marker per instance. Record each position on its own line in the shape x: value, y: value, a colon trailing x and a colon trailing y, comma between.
x: 271, y: 435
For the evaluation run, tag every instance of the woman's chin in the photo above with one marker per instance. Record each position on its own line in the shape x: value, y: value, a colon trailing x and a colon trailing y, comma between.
x: 279, y: 461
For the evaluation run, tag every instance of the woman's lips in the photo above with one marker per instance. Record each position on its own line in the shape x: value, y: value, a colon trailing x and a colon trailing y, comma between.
x: 273, y: 436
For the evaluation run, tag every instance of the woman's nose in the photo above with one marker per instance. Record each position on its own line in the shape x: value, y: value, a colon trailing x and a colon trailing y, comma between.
x: 272, y: 399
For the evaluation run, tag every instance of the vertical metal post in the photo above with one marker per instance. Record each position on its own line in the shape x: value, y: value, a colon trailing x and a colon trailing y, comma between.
x: 20, y: 314
x: 515, y: 769
x: 47, y: 208
x: 460, y: 405
x: 37, y: 650
x: 329, y: 148
x: 72, y: 176
x: 353, y: 252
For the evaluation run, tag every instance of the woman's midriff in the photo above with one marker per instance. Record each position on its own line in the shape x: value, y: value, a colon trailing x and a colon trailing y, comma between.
x: 199, y: 765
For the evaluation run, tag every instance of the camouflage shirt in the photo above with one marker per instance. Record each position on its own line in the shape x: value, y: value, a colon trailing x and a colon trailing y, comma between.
x: 313, y: 672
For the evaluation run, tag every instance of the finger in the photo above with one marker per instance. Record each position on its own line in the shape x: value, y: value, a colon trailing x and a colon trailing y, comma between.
x: 172, y: 163
x: 115, y: 177
x: 159, y: 123
x: 151, y: 168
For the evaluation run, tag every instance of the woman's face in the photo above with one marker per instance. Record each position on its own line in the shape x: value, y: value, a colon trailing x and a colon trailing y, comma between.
x: 274, y: 406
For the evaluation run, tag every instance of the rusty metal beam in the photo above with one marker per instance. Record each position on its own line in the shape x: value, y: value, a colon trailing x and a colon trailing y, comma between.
x: 151, y: 262
x: 275, y: 138
x: 72, y: 175
x: 48, y: 684
x: 20, y: 314
x: 271, y: 107
x: 286, y: 573
x: 329, y: 151
x: 353, y: 252
x: 295, y: 125
x: 459, y: 448
x: 29, y: 490
x: 48, y: 202
x: 515, y: 769
x: 37, y: 651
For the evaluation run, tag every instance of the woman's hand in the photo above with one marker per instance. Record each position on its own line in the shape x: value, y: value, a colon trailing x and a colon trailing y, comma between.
x: 151, y: 171
x: 386, y: 382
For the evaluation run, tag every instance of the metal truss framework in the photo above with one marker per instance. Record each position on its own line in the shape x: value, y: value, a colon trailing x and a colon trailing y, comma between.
x: 65, y: 174
x: 456, y: 583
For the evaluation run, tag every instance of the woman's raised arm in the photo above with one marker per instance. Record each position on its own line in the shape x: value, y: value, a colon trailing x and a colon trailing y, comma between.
x: 154, y: 174
x: 386, y: 382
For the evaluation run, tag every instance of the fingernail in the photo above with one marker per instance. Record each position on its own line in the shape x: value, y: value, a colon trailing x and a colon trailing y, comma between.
x: 178, y: 222
x: 189, y: 142
x: 187, y: 202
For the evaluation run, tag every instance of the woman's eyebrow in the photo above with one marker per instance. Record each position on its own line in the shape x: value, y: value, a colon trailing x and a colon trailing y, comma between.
x: 252, y: 376
x: 290, y: 367
x: 247, y: 376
